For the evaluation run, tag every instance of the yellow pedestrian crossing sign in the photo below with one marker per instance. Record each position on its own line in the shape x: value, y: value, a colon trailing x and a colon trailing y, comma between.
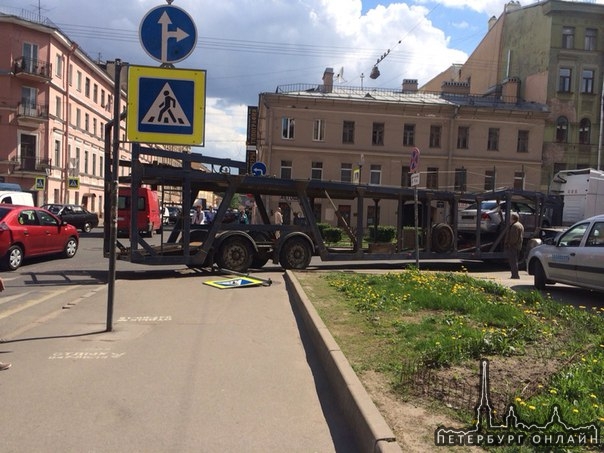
x: 73, y: 183
x: 166, y: 105
x: 40, y: 183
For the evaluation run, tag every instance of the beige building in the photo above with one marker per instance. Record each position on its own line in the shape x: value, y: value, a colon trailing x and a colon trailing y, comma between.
x: 554, y: 50
x: 336, y: 133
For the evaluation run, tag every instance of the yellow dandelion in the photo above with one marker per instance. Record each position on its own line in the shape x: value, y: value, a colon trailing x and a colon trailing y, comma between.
x: 553, y: 391
x: 591, y: 395
x: 518, y: 399
x: 532, y: 408
x: 576, y: 411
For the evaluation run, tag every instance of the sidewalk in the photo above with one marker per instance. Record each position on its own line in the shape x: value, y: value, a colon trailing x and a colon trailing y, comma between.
x: 187, y: 367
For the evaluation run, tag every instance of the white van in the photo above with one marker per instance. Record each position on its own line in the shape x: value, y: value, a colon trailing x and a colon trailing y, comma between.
x: 20, y: 198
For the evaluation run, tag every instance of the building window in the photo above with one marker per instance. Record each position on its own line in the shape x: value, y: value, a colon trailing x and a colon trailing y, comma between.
x: 318, y: 133
x: 564, y: 80
x: 375, y: 175
x: 523, y: 142
x: 518, y: 180
x: 587, y: 81
x: 562, y: 130
x: 568, y: 37
x: 102, y: 98
x: 348, y: 132
x: 78, y: 118
x: 79, y: 81
x: 435, y: 133
x: 286, y: 169
x: 405, y: 176
x: 94, y: 126
x: 591, y: 38
x: 463, y: 137
x: 70, y: 75
x: 287, y: 128
x: 346, y: 173
x: 489, y: 180
x: 584, y: 131
x: 95, y: 93
x: 101, y: 170
x: 316, y: 171
x: 493, y: 141
x: 87, y: 87
x: 461, y: 179
x: 377, y: 136
x: 57, y: 161
x: 432, y: 178
x: 58, y: 107
x: 94, y: 165
x: 86, y: 162
x: 86, y: 122
x: 59, y: 66
x: 409, y: 135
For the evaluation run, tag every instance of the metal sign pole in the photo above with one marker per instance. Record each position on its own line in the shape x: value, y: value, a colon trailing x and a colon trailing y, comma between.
x: 416, y: 227
x: 113, y: 194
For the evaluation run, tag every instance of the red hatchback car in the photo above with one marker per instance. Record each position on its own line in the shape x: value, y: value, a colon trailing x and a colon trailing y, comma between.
x: 26, y: 231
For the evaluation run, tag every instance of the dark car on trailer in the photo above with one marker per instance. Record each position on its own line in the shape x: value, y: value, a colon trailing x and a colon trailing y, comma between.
x: 75, y: 215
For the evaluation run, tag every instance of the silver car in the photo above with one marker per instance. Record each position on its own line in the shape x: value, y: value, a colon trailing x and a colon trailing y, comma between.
x: 574, y: 257
x: 492, y: 216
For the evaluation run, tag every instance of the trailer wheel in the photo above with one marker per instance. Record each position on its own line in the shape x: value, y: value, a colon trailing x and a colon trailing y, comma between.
x: 261, y: 256
x: 235, y: 254
x: 442, y: 238
x: 295, y: 254
x: 540, y: 278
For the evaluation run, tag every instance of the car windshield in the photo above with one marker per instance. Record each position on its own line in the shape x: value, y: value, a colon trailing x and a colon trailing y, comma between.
x: 52, y: 208
x: 484, y: 206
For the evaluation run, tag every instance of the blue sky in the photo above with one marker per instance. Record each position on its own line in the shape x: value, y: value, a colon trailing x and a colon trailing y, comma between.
x: 252, y: 46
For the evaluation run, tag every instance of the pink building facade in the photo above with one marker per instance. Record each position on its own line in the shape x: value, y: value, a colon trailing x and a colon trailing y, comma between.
x: 55, y: 103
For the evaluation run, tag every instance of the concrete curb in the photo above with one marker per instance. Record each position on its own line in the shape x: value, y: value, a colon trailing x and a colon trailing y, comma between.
x: 371, y: 430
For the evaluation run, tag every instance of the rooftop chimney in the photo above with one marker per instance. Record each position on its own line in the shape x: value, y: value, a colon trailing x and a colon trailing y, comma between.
x: 462, y: 88
x: 328, y: 80
x: 510, y: 90
x: 409, y: 85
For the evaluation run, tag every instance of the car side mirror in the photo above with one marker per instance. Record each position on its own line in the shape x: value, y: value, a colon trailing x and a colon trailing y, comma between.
x: 550, y: 241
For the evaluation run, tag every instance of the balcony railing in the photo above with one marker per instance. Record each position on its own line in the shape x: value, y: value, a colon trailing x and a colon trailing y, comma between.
x: 29, y: 163
x: 32, y: 110
x: 33, y: 67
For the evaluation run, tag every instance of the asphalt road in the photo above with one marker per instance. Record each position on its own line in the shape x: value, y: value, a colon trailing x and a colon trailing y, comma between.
x: 187, y: 367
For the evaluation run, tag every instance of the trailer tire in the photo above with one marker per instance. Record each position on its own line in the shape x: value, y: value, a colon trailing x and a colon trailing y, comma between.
x: 442, y: 238
x: 295, y: 254
x: 235, y: 254
x: 262, y: 255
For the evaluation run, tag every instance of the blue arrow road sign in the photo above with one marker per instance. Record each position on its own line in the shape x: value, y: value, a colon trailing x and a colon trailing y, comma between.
x: 259, y: 169
x: 168, y: 34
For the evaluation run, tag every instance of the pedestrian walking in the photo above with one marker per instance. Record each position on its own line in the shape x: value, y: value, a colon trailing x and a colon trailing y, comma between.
x: 513, y: 243
x: 278, y: 221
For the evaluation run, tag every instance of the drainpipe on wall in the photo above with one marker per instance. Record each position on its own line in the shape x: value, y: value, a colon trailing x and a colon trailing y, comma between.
x: 601, y: 126
x: 63, y: 187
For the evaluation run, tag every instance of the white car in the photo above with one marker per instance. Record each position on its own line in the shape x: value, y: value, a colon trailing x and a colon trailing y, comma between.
x: 574, y: 257
x: 492, y: 216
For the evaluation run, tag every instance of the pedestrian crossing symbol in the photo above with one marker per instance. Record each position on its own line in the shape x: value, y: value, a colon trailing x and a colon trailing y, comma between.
x: 166, y: 110
x: 166, y: 105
